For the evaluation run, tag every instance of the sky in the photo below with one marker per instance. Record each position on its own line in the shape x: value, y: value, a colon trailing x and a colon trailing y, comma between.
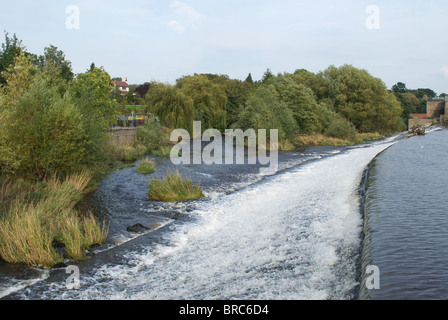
x: 158, y: 40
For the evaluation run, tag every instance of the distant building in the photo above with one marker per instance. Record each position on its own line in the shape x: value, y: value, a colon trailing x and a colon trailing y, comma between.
x: 123, y: 86
x: 436, y: 107
x: 436, y: 112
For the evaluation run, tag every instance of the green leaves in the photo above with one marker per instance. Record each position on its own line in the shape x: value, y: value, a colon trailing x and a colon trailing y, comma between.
x: 91, y: 92
x: 209, y: 100
x: 46, y: 128
x: 363, y: 99
x: 171, y: 105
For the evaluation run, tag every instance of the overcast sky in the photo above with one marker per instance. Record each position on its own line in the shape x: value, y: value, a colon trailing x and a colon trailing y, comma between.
x: 164, y: 40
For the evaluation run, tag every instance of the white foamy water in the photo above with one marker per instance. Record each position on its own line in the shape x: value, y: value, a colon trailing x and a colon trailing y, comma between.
x: 294, y: 236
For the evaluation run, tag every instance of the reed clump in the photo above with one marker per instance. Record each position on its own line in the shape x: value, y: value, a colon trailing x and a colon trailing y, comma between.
x: 174, y: 188
x: 38, y: 218
x: 146, y: 167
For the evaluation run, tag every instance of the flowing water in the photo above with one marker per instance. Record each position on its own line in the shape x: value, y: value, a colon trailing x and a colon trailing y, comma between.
x: 297, y: 234
x: 406, y: 220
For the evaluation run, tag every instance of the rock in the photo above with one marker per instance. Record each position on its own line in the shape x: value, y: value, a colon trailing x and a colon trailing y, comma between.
x: 416, y: 131
x: 137, y: 228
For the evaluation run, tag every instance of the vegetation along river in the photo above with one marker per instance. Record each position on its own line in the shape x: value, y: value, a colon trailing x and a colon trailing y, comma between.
x: 306, y: 232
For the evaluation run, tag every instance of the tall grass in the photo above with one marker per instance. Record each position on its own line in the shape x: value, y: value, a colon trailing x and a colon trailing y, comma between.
x: 174, y: 188
x: 324, y: 140
x: 146, y: 167
x: 43, y: 215
x: 126, y: 153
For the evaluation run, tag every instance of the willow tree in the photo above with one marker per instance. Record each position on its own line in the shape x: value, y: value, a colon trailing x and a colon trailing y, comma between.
x: 172, y: 106
x: 209, y: 100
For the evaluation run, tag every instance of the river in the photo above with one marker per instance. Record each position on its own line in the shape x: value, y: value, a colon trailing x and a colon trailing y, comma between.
x: 298, y: 234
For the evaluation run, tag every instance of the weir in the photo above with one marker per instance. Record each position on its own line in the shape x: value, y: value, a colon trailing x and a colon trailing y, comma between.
x: 293, y: 235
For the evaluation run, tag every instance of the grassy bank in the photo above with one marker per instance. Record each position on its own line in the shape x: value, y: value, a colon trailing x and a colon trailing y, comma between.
x: 39, y: 225
x: 323, y: 140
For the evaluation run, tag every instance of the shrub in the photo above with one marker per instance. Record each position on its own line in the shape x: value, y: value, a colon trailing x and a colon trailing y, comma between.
x: 341, y: 128
x: 174, y: 188
x: 153, y: 135
x: 146, y: 167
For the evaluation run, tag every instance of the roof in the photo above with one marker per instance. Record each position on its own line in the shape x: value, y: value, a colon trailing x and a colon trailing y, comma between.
x: 418, y: 115
x: 121, y: 84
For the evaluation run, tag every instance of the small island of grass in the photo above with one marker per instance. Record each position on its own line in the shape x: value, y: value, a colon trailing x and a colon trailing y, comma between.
x: 146, y: 167
x: 173, y: 189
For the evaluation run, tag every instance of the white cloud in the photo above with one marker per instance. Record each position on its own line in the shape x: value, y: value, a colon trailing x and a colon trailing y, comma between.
x: 186, y: 11
x: 176, y: 26
x: 444, y: 70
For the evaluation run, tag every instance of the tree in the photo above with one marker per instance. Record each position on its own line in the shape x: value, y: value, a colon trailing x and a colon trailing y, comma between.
x: 209, y: 100
x: 42, y: 132
x: 249, y: 79
x: 400, y: 87
x: 91, y: 91
x: 236, y: 91
x: 264, y: 110
x: 55, y: 59
x: 267, y: 76
x: 363, y: 100
x: 174, y: 108
x: 8, y: 53
x: 300, y: 100
x: 316, y: 82
x: 92, y: 67
x: 143, y: 89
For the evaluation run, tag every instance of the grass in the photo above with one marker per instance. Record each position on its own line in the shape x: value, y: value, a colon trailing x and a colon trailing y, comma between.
x: 146, y: 167
x: 127, y: 153
x: 163, y: 151
x: 317, y: 139
x: 36, y: 218
x: 173, y: 189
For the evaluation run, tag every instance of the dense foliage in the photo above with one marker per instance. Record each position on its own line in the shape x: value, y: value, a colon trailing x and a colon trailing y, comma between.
x: 49, y: 122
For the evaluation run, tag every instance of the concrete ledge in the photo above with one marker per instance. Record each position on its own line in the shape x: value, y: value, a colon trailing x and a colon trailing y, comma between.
x: 123, y: 137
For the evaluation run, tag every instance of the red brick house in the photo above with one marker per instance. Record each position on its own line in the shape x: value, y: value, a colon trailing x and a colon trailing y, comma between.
x: 123, y: 86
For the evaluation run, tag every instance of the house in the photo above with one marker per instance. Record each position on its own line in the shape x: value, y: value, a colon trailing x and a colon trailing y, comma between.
x: 123, y: 86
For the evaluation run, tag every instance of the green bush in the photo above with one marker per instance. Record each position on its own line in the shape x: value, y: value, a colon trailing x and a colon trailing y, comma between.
x: 155, y: 137
x: 341, y: 128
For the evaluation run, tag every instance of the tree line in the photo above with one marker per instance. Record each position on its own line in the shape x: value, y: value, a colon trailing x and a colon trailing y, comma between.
x: 338, y: 102
x: 52, y: 120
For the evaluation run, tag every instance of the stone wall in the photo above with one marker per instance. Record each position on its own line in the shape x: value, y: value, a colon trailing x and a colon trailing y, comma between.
x: 420, y: 122
x: 435, y: 108
x: 123, y: 136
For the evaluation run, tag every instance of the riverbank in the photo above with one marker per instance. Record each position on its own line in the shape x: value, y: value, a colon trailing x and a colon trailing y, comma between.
x: 39, y: 225
x: 317, y: 139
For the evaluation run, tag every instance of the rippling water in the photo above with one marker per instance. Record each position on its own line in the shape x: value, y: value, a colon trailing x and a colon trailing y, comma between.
x: 406, y: 219
x: 294, y: 235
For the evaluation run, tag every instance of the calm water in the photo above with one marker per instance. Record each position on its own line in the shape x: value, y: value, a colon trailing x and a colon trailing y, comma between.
x: 298, y: 234
x: 407, y: 219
